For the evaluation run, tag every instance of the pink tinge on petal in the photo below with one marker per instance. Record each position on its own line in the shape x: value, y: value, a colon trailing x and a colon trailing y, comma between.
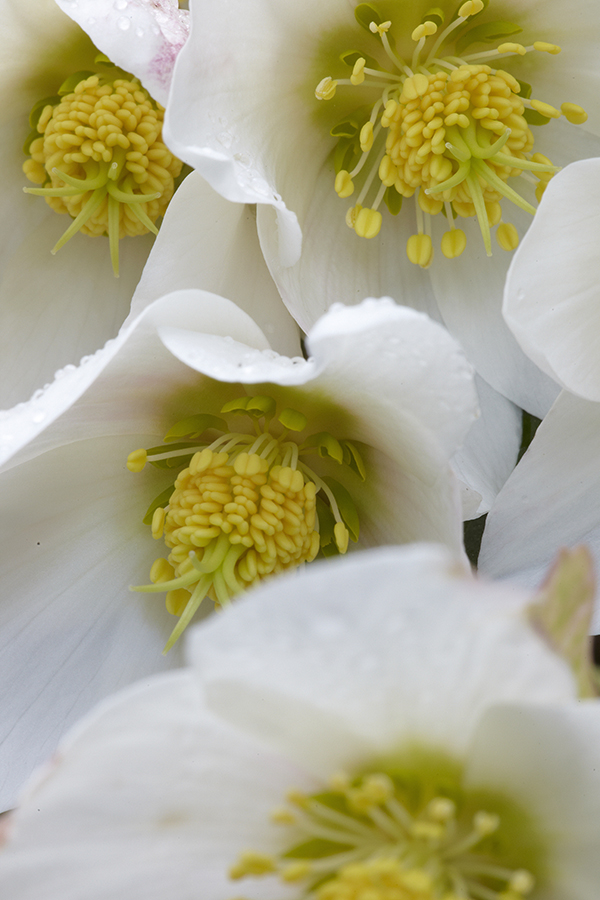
x: 144, y: 37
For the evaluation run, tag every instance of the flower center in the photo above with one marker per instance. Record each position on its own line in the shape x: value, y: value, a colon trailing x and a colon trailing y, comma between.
x: 391, y: 836
x: 97, y: 150
x: 445, y: 127
x: 246, y: 505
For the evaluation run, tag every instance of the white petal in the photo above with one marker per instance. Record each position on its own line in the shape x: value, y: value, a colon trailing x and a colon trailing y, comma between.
x: 52, y: 309
x: 142, y: 36
x: 551, y: 500
x: 206, y: 242
x: 151, y: 797
x: 551, y: 295
x: 395, y: 646
x: 548, y: 761
x: 490, y: 450
x: 71, y: 631
x: 131, y: 385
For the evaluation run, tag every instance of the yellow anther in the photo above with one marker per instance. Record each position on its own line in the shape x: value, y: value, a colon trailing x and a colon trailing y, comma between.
x: 543, y: 47
x: 326, y: 88
x: 424, y: 30
x: 485, y: 823
x: 429, y: 204
x: 454, y: 243
x: 427, y: 831
x: 522, y: 882
x: 158, y: 522
x: 368, y: 223
x: 415, y: 86
x: 352, y: 215
x: 344, y: 186
x: 358, y: 72
x: 366, y: 137
x: 283, y: 816
x: 494, y: 212
x: 339, y: 782
x: 296, y: 871
x: 510, y: 47
x: 540, y: 189
x: 573, y: 113
x: 380, y: 29
x: 161, y: 571
x: 297, y: 798
x: 507, y: 236
x: 442, y: 809
x: 388, y: 173
x: 249, y: 464
x: 470, y: 8
x: 545, y: 109
x: 137, y: 460
x: 176, y: 601
x: 342, y: 536
x: 419, y: 250
x: 251, y: 863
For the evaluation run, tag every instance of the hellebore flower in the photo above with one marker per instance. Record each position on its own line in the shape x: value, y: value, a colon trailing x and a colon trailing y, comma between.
x: 387, y: 397
x: 382, y: 726
x: 419, y: 76
x: 551, y: 500
x: 87, y: 122
x: 551, y: 293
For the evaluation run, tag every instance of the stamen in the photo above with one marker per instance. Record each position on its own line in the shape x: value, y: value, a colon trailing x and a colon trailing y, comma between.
x: 243, y: 507
x: 103, y: 137
x: 456, y: 131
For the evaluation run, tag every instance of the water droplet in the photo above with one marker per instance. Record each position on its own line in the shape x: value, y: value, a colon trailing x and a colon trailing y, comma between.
x: 123, y: 23
x: 225, y: 139
x: 38, y: 417
x: 139, y: 32
x: 91, y: 21
x: 120, y: 4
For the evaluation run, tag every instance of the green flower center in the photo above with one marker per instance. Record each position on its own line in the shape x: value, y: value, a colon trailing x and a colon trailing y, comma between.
x: 97, y: 150
x: 443, y: 126
x: 245, y: 505
x: 402, y: 834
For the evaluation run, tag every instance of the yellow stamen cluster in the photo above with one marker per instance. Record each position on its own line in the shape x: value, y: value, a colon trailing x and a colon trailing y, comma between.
x: 383, y: 848
x: 446, y: 127
x: 429, y: 105
x: 379, y: 879
x: 268, y: 515
x: 107, y: 136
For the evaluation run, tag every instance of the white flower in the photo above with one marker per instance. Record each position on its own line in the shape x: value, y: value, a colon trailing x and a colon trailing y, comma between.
x: 242, y: 110
x: 551, y: 500
x: 428, y: 736
x: 385, y: 385
x: 53, y: 309
x: 551, y: 293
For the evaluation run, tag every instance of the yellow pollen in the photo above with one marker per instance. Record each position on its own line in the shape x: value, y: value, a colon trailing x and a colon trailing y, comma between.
x: 252, y: 864
x: 344, y: 186
x: 101, y: 158
x: 358, y: 72
x: 368, y: 223
x: 380, y: 879
x: 380, y: 29
x: 510, y: 47
x: 545, y: 109
x: 419, y: 250
x: 573, y: 113
x: 454, y: 243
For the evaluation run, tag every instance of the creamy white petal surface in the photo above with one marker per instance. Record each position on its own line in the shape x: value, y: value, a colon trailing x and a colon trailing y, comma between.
x: 160, y: 789
x: 206, y: 242
x: 552, y: 498
x: 551, y: 294
x: 53, y: 309
x: 385, y: 377
x: 141, y: 36
x: 260, y: 139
